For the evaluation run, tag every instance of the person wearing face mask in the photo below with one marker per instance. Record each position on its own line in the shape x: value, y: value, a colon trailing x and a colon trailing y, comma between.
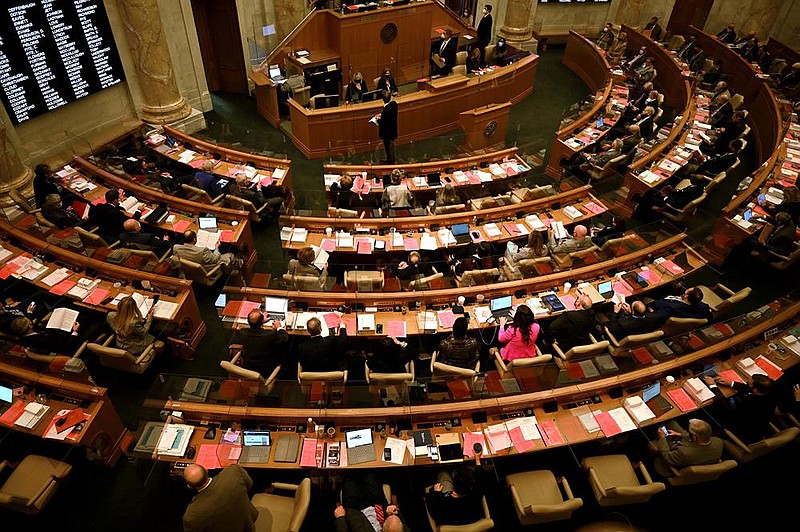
x: 443, y: 57
x: 386, y: 83
x: 355, y: 89
x: 484, y: 32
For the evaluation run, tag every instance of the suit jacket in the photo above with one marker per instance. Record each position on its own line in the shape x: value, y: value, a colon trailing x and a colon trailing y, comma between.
x: 385, y: 85
x: 624, y: 324
x: 569, y: 245
x: 683, y: 452
x: 448, y: 54
x: 353, y: 93
x: 782, y: 239
x: 630, y: 142
x: 696, y: 60
x: 387, y: 123
x: 655, y: 30
x: 748, y: 415
x: 201, y: 255
x: 687, y: 49
x: 678, y: 199
x: 727, y: 35
x: 261, y: 348
x: 675, y: 308
x: 109, y: 218
x: 144, y: 241
x: 485, y: 30
x: 716, y: 164
x: 224, y: 505
x: 646, y: 125
x: 324, y: 354
x: 42, y: 187
x: 573, y: 328
x: 723, y: 114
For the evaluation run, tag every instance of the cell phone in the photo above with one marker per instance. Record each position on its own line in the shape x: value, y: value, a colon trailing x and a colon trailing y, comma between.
x: 106, y: 301
x: 379, y: 328
x: 433, y: 452
x: 387, y: 455
x: 664, y: 430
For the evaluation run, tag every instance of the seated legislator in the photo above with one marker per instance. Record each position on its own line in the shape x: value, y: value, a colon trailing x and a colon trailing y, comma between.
x: 687, y: 49
x: 262, y: 348
x: 207, y: 258
x: 355, y: 89
x: 443, y: 54
x: 397, y: 195
x: 617, y: 50
x: 711, y: 76
x: 135, y: 238
x: 532, y: 249
x: 363, y: 505
x: 386, y: 83
x: 727, y: 34
x: 655, y: 200
x: 645, y: 73
x: 579, y: 240
x: 654, y: 27
x: 39, y: 337
x: 131, y: 329
x: 719, y: 89
x: 749, y: 414
x: 473, y: 62
x: 696, y: 59
x: 445, y: 197
x: 456, y: 499
x: 304, y: 263
x: 635, y: 59
x: 605, y: 38
x: 634, y: 318
x: 221, y: 503
x: 205, y: 179
x: 414, y: 268
x: 343, y: 195
x: 498, y: 53
x: 44, y: 184
x: 708, y: 165
x: 519, y: 338
x: 241, y: 187
x: 574, y: 327
x: 615, y: 229
x: 780, y: 241
x: 721, y: 137
x: 458, y: 349
x: 681, y: 448
x: 687, y: 305
x: 318, y: 353
x: 637, y: 100
x: 749, y: 50
x: 581, y: 163
x: 391, y: 357
x: 10, y: 311
x: 54, y: 212
x: 109, y: 217
x: 723, y: 111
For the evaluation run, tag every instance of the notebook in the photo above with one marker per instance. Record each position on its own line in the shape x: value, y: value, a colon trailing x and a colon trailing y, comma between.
x: 360, y: 447
x: 256, y: 446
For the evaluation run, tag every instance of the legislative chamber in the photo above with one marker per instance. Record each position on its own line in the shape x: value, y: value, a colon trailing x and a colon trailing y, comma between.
x: 570, y: 256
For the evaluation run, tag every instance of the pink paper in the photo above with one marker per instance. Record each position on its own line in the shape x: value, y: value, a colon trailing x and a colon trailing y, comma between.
x: 446, y: 318
x: 181, y: 225
x: 682, y: 399
x: 520, y: 443
x: 550, y: 433
x: 512, y: 228
x: 63, y: 287
x: 470, y: 439
x: 226, y: 235
x: 607, y: 424
x: 397, y: 329
x: 208, y: 457
x: 510, y: 169
x: 97, y: 295
x: 350, y: 325
x: 246, y: 307
x: 266, y: 181
x: 650, y: 276
x: 622, y: 288
x: 411, y: 244
x: 332, y: 319
x: 364, y: 246
x: 568, y: 300
x: 731, y: 375
x: 308, y: 456
x: 329, y: 244
x: 594, y: 207
x: 197, y: 163
x: 99, y: 201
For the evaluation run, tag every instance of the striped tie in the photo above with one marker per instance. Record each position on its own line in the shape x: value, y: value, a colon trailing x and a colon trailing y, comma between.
x: 379, y: 514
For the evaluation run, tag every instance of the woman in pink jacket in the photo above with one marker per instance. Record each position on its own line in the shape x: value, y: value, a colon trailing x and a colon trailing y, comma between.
x: 520, y: 337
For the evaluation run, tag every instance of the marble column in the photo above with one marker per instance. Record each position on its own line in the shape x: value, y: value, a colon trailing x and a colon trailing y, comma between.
x: 516, y: 28
x: 13, y: 174
x: 162, y: 102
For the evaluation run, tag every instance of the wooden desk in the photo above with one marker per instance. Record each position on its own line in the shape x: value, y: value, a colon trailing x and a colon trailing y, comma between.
x: 522, y: 404
x: 103, y: 425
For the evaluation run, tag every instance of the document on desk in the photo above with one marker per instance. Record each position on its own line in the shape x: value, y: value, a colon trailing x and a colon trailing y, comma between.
x: 56, y: 276
x: 398, y: 449
x: 32, y: 414
x: 428, y: 242
x: 303, y: 60
x: 174, y: 440
x: 149, y: 438
x: 165, y: 309
x: 498, y: 438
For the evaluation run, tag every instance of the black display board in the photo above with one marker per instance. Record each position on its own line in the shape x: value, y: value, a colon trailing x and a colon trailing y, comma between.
x: 53, y: 52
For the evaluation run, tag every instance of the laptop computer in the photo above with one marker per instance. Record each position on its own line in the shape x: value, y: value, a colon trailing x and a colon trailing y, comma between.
x: 208, y: 222
x: 434, y: 179
x: 275, y: 74
x: 606, y: 289
x: 461, y: 233
x: 6, y: 398
x: 275, y: 308
x: 255, y: 448
x: 655, y: 401
x: 501, y: 306
x: 360, y: 447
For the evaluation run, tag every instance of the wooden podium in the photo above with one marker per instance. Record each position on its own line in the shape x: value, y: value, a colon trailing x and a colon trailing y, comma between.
x: 485, y: 126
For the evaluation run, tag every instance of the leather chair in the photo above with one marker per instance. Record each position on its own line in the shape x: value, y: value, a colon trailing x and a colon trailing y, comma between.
x: 197, y: 273
x: 489, y: 52
x: 439, y: 369
x: 460, y: 69
x: 320, y: 376
x: 582, y: 352
x: 610, y: 247
x: 241, y: 204
x: 461, y: 58
x: 234, y: 371
x: 601, y: 172
x: 623, y: 346
x: 390, y: 378
x: 614, y: 480
x: 674, y: 326
x: 91, y: 240
x: 478, y: 277
x: 736, y: 101
x: 278, y: 513
x: 198, y: 194
x: 720, y: 298
x: 424, y: 282
x: 564, y: 261
x: 449, y: 209
x: 784, y: 262
x: 23, y: 203
x: 743, y: 453
x: 675, y: 42
x: 57, y: 362
x: 504, y: 367
x: 115, y: 358
x: 364, y: 281
x: 699, y: 473
x: 538, y: 499
x: 32, y: 483
x: 529, y: 194
x: 681, y: 215
x: 485, y: 523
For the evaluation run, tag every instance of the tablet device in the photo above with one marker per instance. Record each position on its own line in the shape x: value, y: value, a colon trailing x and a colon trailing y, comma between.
x: 748, y: 214
x: 208, y: 222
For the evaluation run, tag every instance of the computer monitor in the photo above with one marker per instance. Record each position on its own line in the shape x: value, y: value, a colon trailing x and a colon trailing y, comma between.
x: 371, y: 96
x: 326, y: 100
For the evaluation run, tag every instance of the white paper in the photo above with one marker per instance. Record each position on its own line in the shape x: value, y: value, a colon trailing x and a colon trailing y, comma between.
x: 398, y: 448
x: 207, y: 239
x: 622, y: 418
x: 56, y: 276
x: 428, y: 242
x: 63, y: 319
x: 165, y: 309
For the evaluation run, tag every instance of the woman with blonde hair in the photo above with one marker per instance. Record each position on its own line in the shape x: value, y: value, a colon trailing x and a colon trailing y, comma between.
x: 304, y: 263
x: 132, y: 330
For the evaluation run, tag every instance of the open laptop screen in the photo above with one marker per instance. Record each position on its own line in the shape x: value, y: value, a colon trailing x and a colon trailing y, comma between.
x: 357, y: 438
x: 500, y: 303
x: 651, y: 391
x: 256, y: 438
x: 6, y: 394
x: 276, y: 305
x: 275, y: 71
x: 207, y: 222
x: 605, y: 288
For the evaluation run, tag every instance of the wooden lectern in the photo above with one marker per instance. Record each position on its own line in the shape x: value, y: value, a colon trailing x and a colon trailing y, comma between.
x: 485, y: 126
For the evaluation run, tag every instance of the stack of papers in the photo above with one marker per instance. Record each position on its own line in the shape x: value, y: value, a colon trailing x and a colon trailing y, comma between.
x: 638, y: 409
x: 427, y: 321
x: 207, y: 239
x: 56, y: 277
x: 698, y: 390
x: 32, y: 414
x: 174, y: 440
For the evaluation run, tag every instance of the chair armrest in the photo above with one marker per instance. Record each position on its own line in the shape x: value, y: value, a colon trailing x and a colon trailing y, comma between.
x: 739, y: 443
x: 725, y: 289
x: 145, y: 356
x: 81, y: 349
x: 645, y: 473
x: 236, y: 357
x: 498, y: 361
x: 214, y: 270
x: 558, y: 351
x: 216, y: 200
x: 109, y: 340
x: 525, y: 510
x: 675, y: 472
x: 285, y: 486
x: 567, y: 488
x: 596, y: 480
x: 4, y: 464
x: 274, y: 375
x: 610, y: 337
x: 7, y: 499
x: 41, y: 491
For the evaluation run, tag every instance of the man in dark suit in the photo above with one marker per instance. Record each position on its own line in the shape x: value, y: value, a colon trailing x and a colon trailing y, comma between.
x: 723, y: 111
x: 654, y: 27
x: 687, y: 305
x: 222, y: 503
x: 387, y: 126
x: 686, y: 51
x: 725, y: 134
x: 323, y: 353
x: 261, y: 348
x: 727, y: 34
x: 109, y: 216
x: 574, y: 327
x: 751, y: 409
x: 696, y: 59
x: 631, y: 319
x: 484, y: 32
x: 445, y: 53
x: 133, y: 237
x: 44, y: 184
